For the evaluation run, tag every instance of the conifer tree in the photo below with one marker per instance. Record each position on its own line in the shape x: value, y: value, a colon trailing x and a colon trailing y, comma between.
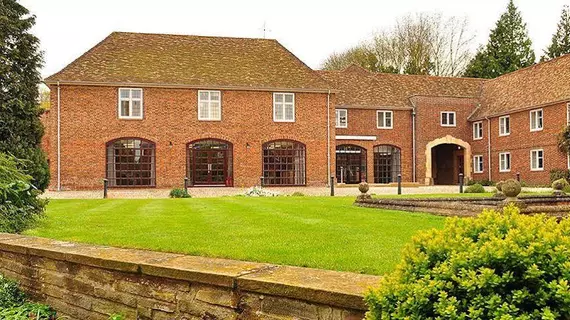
x: 561, y: 39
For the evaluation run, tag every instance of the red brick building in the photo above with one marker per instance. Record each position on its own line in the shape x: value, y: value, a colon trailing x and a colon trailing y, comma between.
x: 147, y: 110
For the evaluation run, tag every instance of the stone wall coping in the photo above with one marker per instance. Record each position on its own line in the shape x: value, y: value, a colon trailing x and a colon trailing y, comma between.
x: 342, y: 289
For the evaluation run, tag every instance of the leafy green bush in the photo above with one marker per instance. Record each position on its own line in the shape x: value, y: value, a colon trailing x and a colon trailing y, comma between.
x: 14, y: 304
x: 484, y: 182
x: 476, y: 188
x: 557, y: 174
x: 297, y: 194
x: 116, y: 317
x: 20, y: 205
x: 179, y: 193
x: 559, y: 184
x: 495, y: 266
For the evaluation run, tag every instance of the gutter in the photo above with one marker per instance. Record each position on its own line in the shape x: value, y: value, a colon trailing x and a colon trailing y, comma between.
x: 329, y: 173
x: 489, y: 149
x: 58, y: 137
x: 188, y: 86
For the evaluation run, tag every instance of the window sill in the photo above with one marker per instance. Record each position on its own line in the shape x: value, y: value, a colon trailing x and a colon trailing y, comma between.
x: 477, y: 139
x: 478, y: 172
x: 129, y: 118
x: 284, y: 121
x: 536, y: 130
x: 504, y: 171
x: 449, y: 125
x: 210, y: 120
x: 385, y: 128
x: 537, y: 170
x: 341, y: 127
x: 504, y: 135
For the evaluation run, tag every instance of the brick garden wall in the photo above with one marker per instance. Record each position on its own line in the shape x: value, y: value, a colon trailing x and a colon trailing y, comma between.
x: 89, y: 120
x: 92, y: 282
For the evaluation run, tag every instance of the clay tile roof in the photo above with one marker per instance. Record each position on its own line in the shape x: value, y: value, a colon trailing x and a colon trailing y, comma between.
x: 538, y: 85
x: 359, y: 88
x: 191, y: 60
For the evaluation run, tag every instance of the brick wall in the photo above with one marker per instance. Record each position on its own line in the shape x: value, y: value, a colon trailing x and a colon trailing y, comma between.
x: 521, y: 141
x: 363, y: 122
x: 89, y: 120
x: 92, y: 282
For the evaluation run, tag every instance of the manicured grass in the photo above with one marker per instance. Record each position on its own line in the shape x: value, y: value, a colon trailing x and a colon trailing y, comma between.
x: 317, y: 232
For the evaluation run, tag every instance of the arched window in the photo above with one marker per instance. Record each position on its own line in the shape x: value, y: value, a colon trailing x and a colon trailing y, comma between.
x: 209, y: 162
x: 131, y: 163
x: 350, y: 164
x: 284, y: 163
x: 387, y: 163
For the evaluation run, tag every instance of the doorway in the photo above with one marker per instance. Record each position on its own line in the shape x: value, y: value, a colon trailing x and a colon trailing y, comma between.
x: 209, y: 163
x: 447, y: 164
x: 350, y: 164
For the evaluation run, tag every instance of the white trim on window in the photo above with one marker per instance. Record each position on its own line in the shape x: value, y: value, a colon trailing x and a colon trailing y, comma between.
x: 447, y: 122
x: 478, y: 130
x: 131, y: 101
x: 504, y: 128
x: 505, y: 164
x: 478, y: 164
x: 213, y: 105
x: 538, y: 123
x: 387, y: 119
x: 280, y: 107
x: 537, y: 160
x: 339, y: 122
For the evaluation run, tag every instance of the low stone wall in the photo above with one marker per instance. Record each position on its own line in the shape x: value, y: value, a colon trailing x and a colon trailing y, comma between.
x: 91, y: 282
x: 558, y: 206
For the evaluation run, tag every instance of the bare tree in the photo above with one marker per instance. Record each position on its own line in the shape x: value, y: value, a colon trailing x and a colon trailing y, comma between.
x: 416, y: 44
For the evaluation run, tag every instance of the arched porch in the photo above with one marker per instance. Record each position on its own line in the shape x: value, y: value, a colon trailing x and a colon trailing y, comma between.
x: 446, y: 158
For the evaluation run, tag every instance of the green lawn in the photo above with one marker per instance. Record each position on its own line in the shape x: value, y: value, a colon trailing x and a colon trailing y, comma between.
x: 318, y: 232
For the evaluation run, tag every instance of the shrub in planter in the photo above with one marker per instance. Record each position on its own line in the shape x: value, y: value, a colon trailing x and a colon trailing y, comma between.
x: 476, y: 188
x: 179, y: 193
x: 495, y: 266
x: 559, y: 184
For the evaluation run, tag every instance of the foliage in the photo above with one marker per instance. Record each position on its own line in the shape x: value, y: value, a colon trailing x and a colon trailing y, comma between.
x: 476, y: 188
x: 496, y: 266
x: 419, y: 44
x: 20, y: 206
x: 511, y: 187
x: 509, y: 48
x: 14, y: 304
x: 179, y: 193
x: 556, y: 174
x: 559, y: 184
x: 484, y: 182
x: 116, y: 317
x: 20, y: 128
x: 560, y: 44
x: 297, y: 194
x: 261, y: 192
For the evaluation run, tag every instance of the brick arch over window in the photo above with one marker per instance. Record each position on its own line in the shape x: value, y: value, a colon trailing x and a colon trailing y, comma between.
x: 387, y: 163
x: 131, y: 163
x: 447, y: 140
x: 284, y: 163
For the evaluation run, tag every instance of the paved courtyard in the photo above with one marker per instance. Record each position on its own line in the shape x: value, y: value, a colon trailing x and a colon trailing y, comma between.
x: 220, y: 192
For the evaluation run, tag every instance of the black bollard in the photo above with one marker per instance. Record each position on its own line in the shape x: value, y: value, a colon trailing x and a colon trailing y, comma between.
x: 186, y: 184
x: 461, y: 183
x: 518, y: 176
x: 105, y: 187
x: 399, y: 184
x: 332, y: 186
x: 261, y: 181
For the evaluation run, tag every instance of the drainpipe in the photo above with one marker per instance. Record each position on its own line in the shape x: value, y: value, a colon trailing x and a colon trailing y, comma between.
x: 414, y: 145
x: 58, y: 137
x: 328, y: 137
x: 489, y: 148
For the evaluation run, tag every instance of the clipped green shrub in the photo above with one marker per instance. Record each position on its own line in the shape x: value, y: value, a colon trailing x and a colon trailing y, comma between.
x: 297, y: 194
x: 20, y: 206
x: 495, y: 266
x: 116, y: 317
x: 476, y: 188
x: 484, y: 182
x: 559, y: 184
x: 179, y: 193
x: 557, y: 174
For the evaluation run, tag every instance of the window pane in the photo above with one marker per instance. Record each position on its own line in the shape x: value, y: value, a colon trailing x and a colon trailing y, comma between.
x: 215, y: 110
x: 278, y: 97
x: 289, y: 112
x: 125, y: 109
x: 444, y: 118
x: 451, y: 118
x: 136, y: 93
x: 137, y: 111
x: 215, y: 95
x: 124, y: 93
x: 203, y: 110
x: 289, y: 98
x: 381, y: 119
x: 204, y: 95
x: 388, y: 119
x: 278, y: 111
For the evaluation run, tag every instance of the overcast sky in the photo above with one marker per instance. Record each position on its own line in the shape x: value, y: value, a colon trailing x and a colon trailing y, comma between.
x: 311, y: 29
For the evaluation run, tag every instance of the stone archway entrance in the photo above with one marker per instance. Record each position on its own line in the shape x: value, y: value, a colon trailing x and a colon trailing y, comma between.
x: 445, y: 158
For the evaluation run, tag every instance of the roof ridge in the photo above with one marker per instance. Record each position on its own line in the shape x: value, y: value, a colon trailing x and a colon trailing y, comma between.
x: 428, y: 76
x: 191, y: 35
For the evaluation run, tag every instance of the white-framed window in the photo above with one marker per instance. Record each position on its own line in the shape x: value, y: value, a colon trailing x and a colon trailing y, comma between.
x: 283, y: 107
x: 504, y: 162
x: 341, y: 118
x: 504, y: 126
x: 130, y: 103
x: 478, y: 130
x: 209, y: 105
x: 448, y: 119
x: 384, y: 119
x: 478, y: 164
x: 536, y: 122
x: 537, y: 160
